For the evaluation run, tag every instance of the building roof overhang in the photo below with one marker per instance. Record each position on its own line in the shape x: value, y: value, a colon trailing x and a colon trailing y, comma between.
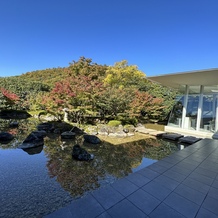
x: 193, y: 78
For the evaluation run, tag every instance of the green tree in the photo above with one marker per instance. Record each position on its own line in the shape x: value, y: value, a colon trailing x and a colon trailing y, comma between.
x: 114, y: 101
x: 85, y: 67
x: 123, y: 75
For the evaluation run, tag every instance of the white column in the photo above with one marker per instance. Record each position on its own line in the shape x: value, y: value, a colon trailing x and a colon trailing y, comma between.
x: 216, y: 118
x: 214, y: 105
x: 184, y: 109
x: 200, y: 104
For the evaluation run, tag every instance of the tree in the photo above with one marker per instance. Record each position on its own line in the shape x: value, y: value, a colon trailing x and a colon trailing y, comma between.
x: 77, y: 93
x: 9, y: 99
x: 145, y: 104
x: 122, y: 75
x: 87, y: 87
x: 114, y: 101
x: 85, y: 67
x: 27, y: 89
x: 158, y: 91
x: 58, y: 99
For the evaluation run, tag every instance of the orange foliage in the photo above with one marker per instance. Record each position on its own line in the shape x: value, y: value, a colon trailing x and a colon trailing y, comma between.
x: 10, y: 95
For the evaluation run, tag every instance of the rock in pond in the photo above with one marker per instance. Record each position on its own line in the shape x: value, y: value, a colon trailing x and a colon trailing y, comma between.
x: 40, y: 133
x: 35, y: 135
x: 35, y: 150
x: 34, y: 139
x: 33, y: 144
x: 5, y: 137
x: 68, y: 135
x: 91, y: 139
x: 48, y: 127
x: 81, y: 154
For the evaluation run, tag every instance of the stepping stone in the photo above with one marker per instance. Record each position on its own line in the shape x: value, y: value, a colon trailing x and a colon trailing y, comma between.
x: 189, y: 139
x: 215, y: 135
x: 172, y: 136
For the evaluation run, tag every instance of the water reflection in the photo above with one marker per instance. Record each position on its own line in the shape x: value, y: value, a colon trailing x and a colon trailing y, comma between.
x: 111, y: 162
x: 32, y: 151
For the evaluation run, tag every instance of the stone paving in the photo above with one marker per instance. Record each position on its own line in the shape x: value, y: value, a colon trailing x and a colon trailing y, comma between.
x: 184, y: 184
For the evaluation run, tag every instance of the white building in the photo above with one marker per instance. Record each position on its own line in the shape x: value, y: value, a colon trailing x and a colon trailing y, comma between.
x: 196, y: 110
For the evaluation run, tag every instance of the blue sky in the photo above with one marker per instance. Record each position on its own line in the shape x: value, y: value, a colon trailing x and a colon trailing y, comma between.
x: 158, y: 36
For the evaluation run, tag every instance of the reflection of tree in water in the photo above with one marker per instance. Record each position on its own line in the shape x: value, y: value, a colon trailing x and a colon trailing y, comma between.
x: 118, y: 160
x: 158, y: 149
x: 110, y: 163
x: 77, y: 176
x: 74, y: 176
x: 115, y: 161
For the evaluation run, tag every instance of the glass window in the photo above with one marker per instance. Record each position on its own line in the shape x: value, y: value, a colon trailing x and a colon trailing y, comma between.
x: 208, y: 116
x: 190, y: 121
x: 175, y: 118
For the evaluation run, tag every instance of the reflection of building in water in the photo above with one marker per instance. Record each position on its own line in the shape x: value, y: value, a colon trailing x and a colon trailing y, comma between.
x: 196, y: 110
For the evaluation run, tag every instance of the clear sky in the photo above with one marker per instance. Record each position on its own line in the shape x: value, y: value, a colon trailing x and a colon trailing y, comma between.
x: 159, y: 36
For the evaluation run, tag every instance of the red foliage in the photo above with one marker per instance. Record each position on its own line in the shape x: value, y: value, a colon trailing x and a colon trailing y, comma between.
x: 10, y: 98
x: 73, y: 92
x: 145, y: 101
x: 9, y: 95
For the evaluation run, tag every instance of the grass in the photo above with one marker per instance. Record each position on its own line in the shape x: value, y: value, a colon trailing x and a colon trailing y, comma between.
x: 118, y: 141
x: 155, y: 126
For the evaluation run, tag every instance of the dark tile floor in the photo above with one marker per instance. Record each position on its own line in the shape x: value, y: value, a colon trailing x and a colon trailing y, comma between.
x: 184, y: 184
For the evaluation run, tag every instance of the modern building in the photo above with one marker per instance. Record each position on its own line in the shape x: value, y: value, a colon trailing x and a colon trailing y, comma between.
x: 196, y: 109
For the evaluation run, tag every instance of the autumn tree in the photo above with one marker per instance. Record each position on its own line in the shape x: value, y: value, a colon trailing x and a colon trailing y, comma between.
x: 160, y: 92
x: 27, y: 90
x: 9, y: 99
x: 87, y: 87
x: 85, y: 67
x: 145, y: 104
x: 77, y: 93
x: 123, y: 75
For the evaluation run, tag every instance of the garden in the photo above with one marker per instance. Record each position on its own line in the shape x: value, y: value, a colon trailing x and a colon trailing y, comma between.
x: 86, y: 98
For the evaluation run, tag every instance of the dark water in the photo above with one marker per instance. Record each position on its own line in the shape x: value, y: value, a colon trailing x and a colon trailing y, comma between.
x: 37, y: 182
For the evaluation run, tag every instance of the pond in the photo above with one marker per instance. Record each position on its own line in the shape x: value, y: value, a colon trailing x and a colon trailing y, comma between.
x: 36, y: 182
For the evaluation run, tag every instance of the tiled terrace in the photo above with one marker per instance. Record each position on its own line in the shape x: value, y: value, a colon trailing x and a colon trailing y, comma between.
x: 184, y: 184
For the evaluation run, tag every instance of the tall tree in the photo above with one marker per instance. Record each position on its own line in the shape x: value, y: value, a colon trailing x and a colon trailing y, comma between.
x: 123, y: 75
x: 145, y: 104
x: 76, y: 92
x: 114, y: 101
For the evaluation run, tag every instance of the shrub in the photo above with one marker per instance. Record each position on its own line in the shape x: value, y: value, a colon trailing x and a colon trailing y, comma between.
x: 127, y: 120
x: 114, y: 123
